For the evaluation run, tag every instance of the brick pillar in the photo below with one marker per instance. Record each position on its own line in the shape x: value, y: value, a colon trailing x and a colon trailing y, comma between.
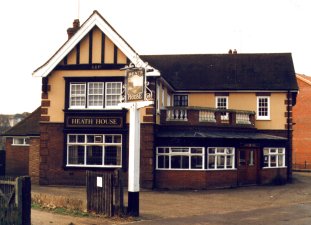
x: 34, y: 159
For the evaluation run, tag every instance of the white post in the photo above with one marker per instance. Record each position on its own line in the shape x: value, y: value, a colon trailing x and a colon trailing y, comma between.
x: 134, y: 155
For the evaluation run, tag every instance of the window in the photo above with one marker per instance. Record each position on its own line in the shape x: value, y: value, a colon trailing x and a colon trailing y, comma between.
x: 180, y: 100
x: 77, y: 95
x: 91, y: 95
x: 186, y: 158
x: 222, y: 103
x: 95, y: 94
x: 21, y: 141
x: 263, y: 108
x: 274, y: 157
x: 94, y: 150
x: 220, y: 158
x: 113, y: 93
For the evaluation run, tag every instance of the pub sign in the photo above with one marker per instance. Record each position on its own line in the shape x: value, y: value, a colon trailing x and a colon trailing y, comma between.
x: 135, y: 88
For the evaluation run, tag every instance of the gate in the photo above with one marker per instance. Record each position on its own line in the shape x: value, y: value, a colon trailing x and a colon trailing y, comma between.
x: 2, y: 162
x: 105, y: 192
x: 15, y: 200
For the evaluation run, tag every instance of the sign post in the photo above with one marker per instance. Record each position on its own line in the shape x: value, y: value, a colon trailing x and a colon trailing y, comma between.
x: 135, y: 99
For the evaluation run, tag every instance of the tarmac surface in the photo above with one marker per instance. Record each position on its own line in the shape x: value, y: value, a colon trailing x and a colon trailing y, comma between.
x: 288, y: 204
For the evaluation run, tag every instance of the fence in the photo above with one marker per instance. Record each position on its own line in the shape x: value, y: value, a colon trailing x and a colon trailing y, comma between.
x: 15, y: 200
x: 301, y: 160
x: 105, y: 192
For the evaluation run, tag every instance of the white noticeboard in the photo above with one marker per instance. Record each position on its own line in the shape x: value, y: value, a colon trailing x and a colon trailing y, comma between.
x: 99, y: 182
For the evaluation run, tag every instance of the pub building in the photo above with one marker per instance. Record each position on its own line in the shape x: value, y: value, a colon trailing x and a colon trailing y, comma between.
x: 217, y: 120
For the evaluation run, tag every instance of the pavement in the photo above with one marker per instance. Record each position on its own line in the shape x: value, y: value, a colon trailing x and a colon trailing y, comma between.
x: 288, y: 204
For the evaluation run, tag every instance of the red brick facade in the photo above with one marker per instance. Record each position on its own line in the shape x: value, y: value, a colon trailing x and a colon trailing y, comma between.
x: 17, y: 159
x: 302, y: 124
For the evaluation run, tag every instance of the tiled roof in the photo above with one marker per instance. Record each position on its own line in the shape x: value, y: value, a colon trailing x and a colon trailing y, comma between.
x: 27, y: 127
x: 264, y: 72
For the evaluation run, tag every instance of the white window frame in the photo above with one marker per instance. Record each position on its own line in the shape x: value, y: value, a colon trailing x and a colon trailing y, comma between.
x: 162, y: 96
x: 274, y: 152
x: 173, y: 100
x: 187, y: 152
x: 86, y: 94
x: 77, y: 95
x: 24, y: 141
x: 97, y: 142
x: 119, y: 94
x: 266, y: 117
x: 158, y: 98
x: 217, y: 101
x: 102, y: 94
x: 216, y: 154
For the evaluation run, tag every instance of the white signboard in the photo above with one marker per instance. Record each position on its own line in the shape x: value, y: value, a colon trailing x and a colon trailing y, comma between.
x: 99, y: 182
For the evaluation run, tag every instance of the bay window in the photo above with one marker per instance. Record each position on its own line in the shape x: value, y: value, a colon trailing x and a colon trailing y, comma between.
x: 186, y: 158
x: 274, y: 157
x: 220, y: 158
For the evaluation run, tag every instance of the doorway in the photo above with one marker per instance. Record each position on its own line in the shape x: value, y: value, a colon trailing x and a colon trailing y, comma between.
x: 247, y: 164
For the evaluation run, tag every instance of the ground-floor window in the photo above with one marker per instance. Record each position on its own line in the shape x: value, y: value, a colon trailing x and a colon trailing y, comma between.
x: 94, y: 150
x: 188, y: 158
x: 220, y: 158
x: 274, y: 157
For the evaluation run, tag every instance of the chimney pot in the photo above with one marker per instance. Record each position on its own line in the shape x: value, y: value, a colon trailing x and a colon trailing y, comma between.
x: 75, y: 27
x: 230, y: 51
x: 235, y: 51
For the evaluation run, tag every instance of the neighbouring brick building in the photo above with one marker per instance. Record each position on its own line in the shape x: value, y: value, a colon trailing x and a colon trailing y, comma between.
x: 22, y: 144
x: 302, y: 124
x: 218, y: 120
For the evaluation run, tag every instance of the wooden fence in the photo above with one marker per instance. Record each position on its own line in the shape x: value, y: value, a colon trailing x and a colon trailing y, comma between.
x: 15, y: 201
x: 105, y: 192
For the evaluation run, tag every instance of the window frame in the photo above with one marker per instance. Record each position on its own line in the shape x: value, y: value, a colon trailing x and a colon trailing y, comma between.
x: 25, y: 141
x: 277, y: 155
x: 188, y: 153
x: 216, y: 154
x: 86, y: 94
x: 180, y: 95
x: 260, y: 117
x: 224, y: 116
x: 97, y: 142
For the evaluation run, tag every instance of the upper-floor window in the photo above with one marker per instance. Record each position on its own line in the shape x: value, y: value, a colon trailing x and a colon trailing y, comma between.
x: 263, y: 107
x: 222, y: 103
x: 180, y: 100
x: 20, y: 141
x: 95, y: 95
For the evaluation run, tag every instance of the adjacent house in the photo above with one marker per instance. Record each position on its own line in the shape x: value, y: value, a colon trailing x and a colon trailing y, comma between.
x: 302, y: 124
x: 218, y: 120
x: 21, y: 141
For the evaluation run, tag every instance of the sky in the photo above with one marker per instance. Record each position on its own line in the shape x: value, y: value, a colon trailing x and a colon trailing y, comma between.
x: 33, y: 30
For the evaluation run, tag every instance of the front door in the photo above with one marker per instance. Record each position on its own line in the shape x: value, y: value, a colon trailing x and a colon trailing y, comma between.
x: 247, y: 164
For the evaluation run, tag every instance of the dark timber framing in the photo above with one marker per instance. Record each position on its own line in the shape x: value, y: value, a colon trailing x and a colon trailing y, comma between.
x: 78, y: 54
x: 90, y: 46
x: 115, y: 55
x: 103, y: 48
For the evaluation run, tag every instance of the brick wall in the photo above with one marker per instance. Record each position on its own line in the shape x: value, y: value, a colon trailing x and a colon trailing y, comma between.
x: 34, y: 159
x: 302, y: 127
x: 176, y: 179
x: 273, y: 176
x: 146, y: 155
x: 17, y: 158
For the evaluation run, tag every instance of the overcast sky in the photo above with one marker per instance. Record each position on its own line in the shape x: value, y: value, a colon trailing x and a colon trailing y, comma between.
x: 32, y: 31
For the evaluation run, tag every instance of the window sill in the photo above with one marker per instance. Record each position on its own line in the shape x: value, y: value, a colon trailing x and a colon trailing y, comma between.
x: 279, y: 167
x: 20, y: 145
x: 91, y: 166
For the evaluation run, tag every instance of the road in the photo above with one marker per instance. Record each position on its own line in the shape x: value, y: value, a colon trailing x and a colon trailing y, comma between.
x: 260, y: 205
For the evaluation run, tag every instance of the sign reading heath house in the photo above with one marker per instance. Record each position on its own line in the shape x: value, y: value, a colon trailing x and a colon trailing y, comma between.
x: 135, y: 85
x: 100, y: 122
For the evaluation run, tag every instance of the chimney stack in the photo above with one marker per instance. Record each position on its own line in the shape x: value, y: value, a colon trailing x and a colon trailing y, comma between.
x: 75, y: 27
